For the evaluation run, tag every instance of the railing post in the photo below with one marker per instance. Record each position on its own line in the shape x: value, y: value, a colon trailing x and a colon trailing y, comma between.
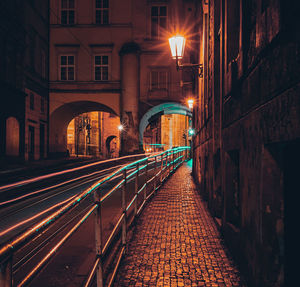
x: 6, y: 273
x: 173, y: 160
x: 169, y: 162
x: 98, y: 238
x: 136, y: 188
x: 161, y: 167
x: 124, y: 208
x: 146, y: 178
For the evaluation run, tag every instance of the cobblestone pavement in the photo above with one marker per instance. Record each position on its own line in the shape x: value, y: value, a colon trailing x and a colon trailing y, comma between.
x: 176, y: 242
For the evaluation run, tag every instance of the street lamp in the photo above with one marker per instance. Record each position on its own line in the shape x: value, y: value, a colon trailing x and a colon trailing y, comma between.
x: 120, y: 127
x: 191, y: 132
x: 190, y: 103
x: 177, y: 45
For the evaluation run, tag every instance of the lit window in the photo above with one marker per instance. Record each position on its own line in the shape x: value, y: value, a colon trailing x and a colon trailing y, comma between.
x: 67, y: 68
x: 158, y: 21
x: 67, y: 12
x: 101, y: 67
x: 102, y: 12
x: 159, y: 80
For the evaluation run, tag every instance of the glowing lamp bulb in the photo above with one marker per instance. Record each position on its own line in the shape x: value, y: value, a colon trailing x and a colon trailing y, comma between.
x: 177, y: 44
x: 190, y: 103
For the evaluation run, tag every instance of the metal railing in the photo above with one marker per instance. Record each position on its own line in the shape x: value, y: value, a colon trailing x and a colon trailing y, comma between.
x: 140, y: 179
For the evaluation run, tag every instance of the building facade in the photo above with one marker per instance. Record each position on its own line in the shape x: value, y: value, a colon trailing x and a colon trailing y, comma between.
x: 113, y: 56
x: 246, y: 146
x: 24, y: 33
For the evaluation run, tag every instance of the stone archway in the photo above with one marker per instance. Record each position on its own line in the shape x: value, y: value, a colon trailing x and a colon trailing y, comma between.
x: 61, y: 117
x: 162, y: 109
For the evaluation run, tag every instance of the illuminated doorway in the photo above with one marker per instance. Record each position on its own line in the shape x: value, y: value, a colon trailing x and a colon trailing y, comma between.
x: 87, y: 135
x: 165, y: 132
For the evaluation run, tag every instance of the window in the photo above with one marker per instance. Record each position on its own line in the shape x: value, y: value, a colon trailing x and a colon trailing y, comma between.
x: 159, y: 80
x: 43, y: 64
x: 158, y: 21
x: 67, y: 68
x: 42, y: 105
x: 67, y: 12
x: 32, y: 51
x: 101, y: 67
x: 233, y: 28
x: 102, y: 12
x: 31, y: 101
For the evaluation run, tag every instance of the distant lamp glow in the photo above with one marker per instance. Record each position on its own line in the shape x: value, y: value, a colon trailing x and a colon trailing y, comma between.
x: 191, y: 132
x: 190, y: 103
x: 120, y: 127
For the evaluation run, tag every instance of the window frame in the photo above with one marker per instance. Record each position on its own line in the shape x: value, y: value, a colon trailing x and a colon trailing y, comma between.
x: 68, y: 9
x: 158, y: 86
x: 101, y: 9
x: 101, y: 66
x: 42, y: 102
x: 31, y: 101
x: 159, y: 35
x: 67, y: 66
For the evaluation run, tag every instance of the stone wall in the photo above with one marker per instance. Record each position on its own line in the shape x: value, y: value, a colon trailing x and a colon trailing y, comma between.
x: 248, y: 130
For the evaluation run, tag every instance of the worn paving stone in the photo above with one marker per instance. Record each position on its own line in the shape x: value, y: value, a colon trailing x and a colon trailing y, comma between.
x: 176, y: 242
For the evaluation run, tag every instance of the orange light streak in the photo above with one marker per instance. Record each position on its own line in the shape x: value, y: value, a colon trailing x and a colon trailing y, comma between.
x: 27, y: 181
x: 53, y: 216
x: 54, y: 249
x: 54, y: 186
x: 35, y: 216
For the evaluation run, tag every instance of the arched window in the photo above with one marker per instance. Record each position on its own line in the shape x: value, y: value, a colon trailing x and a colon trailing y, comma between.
x: 12, y: 136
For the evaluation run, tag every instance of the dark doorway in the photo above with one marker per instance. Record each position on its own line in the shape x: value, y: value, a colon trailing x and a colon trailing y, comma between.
x: 108, y: 147
x: 31, y: 143
x: 42, y: 141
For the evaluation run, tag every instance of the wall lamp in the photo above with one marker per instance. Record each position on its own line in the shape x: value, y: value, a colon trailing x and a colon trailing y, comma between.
x: 177, y: 44
x: 190, y: 103
x: 191, y: 132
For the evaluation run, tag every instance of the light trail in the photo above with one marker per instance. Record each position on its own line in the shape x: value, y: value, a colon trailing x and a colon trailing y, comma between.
x: 27, y: 181
x: 56, y: 247
x: 50, y: 208
x: 55, y: 186
x: 35, y: 216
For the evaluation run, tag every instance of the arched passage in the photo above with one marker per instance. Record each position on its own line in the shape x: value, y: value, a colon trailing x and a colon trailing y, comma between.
x: 61, y: 117
x: 162, y: 109
x: 12, y: 136
x: 109, y: 147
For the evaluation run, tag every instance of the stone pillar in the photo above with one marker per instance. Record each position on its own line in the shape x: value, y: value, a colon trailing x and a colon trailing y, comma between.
x: 130, y: 53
